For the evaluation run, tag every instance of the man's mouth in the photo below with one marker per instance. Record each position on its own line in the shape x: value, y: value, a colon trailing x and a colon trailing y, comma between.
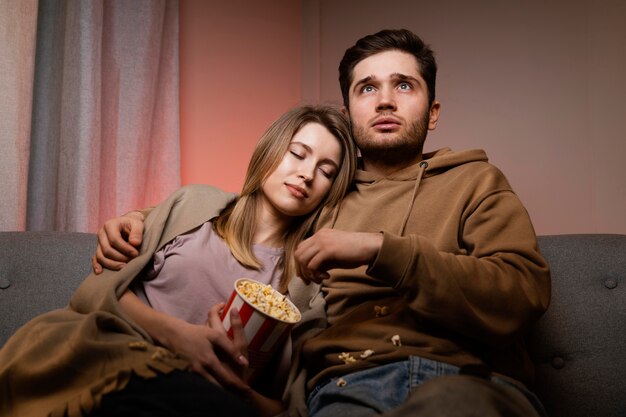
x: 386, y: 123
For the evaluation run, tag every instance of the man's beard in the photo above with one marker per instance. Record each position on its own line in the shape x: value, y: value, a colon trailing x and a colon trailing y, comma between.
x: 400, y: 150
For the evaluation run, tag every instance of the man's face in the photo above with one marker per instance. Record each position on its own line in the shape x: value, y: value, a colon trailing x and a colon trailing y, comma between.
x: 389, y: 109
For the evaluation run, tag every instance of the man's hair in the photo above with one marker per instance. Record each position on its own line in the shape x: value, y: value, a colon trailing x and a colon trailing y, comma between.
x: 386, y: 40
x: 235, y: 223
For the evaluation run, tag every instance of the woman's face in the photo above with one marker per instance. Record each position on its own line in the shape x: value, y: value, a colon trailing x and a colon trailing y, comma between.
x: 306, y: 173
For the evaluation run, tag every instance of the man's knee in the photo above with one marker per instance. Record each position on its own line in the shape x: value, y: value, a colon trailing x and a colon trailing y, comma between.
x: 464, y: 396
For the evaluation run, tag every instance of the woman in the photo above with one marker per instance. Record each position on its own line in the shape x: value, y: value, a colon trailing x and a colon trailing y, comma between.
x: 302, y: 164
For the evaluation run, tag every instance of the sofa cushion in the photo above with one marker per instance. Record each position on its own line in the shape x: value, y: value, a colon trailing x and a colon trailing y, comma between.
x: 578, y: 345
x: 39, y: 271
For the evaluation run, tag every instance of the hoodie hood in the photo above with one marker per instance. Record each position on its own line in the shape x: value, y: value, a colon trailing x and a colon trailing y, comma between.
x: 436, y: 162
x: 409, y: 180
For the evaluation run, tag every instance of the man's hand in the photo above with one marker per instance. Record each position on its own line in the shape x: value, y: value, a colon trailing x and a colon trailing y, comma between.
x: 329, y: 248
x: 118, y: 241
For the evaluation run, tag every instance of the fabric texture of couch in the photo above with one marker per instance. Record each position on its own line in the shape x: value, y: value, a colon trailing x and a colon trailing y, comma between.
x: 578, y: 346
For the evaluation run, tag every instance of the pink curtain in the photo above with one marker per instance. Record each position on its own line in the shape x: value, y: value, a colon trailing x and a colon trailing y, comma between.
x: 104, y: 130
x: 18, y: 23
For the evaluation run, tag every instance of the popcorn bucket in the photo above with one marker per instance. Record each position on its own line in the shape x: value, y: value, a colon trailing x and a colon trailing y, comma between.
x: 267, y: 318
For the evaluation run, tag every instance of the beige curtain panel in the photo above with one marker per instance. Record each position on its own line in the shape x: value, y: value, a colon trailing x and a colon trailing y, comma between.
x: 89, y: 127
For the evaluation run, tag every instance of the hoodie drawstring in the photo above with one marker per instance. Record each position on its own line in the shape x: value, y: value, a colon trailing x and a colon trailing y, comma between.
x: 423, y: 166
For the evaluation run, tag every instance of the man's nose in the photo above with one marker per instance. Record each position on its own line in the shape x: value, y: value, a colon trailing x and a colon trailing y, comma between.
x: 386, y: 100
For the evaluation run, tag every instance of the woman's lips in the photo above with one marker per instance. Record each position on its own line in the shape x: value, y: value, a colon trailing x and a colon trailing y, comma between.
x: 297, y: 191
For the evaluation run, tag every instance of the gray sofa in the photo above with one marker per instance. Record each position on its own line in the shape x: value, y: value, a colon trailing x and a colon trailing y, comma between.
x: 578, y: 347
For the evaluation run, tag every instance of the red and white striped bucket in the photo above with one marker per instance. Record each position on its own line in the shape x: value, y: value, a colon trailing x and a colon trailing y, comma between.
x: 264, y: 333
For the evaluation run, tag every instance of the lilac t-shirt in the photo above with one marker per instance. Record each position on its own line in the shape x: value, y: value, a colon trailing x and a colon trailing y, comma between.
x: 196, y: 270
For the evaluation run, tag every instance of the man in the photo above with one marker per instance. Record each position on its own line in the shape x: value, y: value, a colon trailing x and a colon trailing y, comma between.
x: 430, y: 269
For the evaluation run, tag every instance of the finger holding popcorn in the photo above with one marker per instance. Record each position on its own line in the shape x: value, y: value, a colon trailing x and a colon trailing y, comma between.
x: 330, y: 248
x: 235, y: 348
x: 239, y: 339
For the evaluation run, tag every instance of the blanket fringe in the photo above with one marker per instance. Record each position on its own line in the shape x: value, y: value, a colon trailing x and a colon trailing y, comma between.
x: 160, y: 362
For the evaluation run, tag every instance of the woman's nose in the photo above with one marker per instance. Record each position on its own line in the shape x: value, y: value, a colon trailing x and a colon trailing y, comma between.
x: 304, y: 176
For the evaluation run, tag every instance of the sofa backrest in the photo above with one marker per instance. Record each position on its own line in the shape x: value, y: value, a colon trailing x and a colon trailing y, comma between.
x: 579, y: 345
x: 39, y: 271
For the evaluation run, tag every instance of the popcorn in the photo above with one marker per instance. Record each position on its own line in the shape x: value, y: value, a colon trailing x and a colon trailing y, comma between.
x: 347, y: 358
x: 395, y: 339
x: 381, y: 311
x: 268, y: 300
x: 341, y: 382
x: 161, y: 353
x: 367, y: 354
x: 267, y: 318
x: 141, y: 345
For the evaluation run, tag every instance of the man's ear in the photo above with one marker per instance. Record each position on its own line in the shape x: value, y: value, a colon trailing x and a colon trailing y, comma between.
x: 345, y: 111
x: 433, y: 114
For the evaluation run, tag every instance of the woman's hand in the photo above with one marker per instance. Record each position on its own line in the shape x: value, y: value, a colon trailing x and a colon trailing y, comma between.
x: 211, y: 352
x: 266, y: 406
x: 209, y: 349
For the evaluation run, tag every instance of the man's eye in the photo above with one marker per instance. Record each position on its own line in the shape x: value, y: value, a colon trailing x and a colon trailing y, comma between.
x: 405, y: 86
x: 367, y: 89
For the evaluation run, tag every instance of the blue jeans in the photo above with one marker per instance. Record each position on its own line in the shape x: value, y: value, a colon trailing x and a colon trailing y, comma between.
x: 386, y: 387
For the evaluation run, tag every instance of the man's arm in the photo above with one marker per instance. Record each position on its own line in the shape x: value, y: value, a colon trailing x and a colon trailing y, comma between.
x: 490, y: 297
x: 491, y: 292
x: 119, y: 240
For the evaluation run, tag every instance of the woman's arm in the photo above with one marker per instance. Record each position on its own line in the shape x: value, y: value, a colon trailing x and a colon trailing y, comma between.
x: 199, y: 343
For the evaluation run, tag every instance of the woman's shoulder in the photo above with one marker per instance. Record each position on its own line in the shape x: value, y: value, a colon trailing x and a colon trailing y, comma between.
x: 186, y: 209
x: 201, y: 195
x: 204, y: 190
x: 198, y: 198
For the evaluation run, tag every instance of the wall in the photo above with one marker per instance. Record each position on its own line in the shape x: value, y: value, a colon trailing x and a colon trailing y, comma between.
x: 239, y: 70
x: 539, y: 85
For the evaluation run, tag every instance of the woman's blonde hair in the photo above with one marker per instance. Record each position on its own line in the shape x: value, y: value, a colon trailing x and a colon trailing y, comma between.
x: 236, y: 223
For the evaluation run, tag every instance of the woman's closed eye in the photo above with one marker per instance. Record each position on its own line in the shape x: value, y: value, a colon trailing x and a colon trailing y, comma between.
x: 328, y: 171
x: 296, y: 155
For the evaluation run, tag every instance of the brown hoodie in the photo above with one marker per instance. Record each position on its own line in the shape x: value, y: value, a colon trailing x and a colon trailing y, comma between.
x: 459, y: 277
